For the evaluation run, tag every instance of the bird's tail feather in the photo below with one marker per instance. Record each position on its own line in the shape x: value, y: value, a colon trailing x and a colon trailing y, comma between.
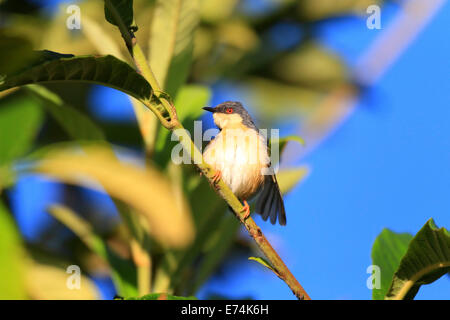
x: 270, y: 202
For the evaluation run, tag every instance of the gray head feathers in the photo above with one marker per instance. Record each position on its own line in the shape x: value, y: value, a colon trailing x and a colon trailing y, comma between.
x: 237, y: 108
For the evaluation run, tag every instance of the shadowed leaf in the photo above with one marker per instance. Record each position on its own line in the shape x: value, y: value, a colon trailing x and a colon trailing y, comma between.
x: 107, y: 70
x: 119, y: 11
x: 22, y: 49
x: 123, y: 272
x: 76, y: 124
x: 217, y: 246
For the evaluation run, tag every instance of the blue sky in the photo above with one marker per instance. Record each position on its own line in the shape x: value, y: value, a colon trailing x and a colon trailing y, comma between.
x: 386, y: 166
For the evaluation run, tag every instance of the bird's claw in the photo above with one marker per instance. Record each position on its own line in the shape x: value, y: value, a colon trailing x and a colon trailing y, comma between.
x: 246, y: 210
x: 216, y: 177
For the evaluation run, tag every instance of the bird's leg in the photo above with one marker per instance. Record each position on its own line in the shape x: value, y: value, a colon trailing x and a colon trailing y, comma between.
x: 246, y: 210
x: 216, y: 177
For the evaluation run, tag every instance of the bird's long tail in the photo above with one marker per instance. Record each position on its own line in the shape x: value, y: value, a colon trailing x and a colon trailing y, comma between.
x: 270, y: 202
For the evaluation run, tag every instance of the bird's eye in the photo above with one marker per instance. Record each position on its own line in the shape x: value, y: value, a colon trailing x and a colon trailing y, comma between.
x: 229, y: 110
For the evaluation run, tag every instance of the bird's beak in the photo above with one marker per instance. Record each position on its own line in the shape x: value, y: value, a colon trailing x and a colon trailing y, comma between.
x: 209, y: 109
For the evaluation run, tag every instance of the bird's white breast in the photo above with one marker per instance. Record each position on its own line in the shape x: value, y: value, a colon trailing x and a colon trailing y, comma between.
x: 240, y: 154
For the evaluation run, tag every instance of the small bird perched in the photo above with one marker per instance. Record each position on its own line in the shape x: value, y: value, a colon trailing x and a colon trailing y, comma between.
x: 239, y: 154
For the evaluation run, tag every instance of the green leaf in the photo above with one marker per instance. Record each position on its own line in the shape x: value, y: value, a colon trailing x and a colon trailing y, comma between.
x: 189, y: 101
x: 7, y: 177
x: 100, y: 39
x: 172, y: 41
x: 105, y: 70
x: 162, y: 296
x: 120, y: 11
x: 20, y: 120
x: 426, y: 260
x: 282, y: 142
x: 22, y: 49
x: 12, y: 258
x: 311, y: 65
x: 387, y: 251
x: 76, y: 124
x: 264, y: 262
x: 289, y: 178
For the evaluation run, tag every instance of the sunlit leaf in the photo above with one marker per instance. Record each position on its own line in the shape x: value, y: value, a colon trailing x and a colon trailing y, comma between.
x: 107, y: 70
x: 282, y: 142
x: 47, y: 282
x: 100, y: 39
x: 20, y: 120
x: 12, y: 259
x: 264, y: 262
x: 426, y: 260
x: 171, y: 42
x: 146, y: 190
x: 7, y: 177
x: 288, y: 178
x: 387, y: 251
x: 189, y: 101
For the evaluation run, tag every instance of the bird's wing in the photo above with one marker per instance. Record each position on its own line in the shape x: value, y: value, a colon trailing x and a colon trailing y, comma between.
x: 270, y: 202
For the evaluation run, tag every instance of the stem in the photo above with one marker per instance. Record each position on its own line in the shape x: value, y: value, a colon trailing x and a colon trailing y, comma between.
x: 142, y: 261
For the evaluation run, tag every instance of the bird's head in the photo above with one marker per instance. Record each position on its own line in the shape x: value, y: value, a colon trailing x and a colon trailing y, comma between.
x: 231, y: 114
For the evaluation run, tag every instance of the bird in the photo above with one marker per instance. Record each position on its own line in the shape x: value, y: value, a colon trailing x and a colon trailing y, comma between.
x: 240, y: 155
